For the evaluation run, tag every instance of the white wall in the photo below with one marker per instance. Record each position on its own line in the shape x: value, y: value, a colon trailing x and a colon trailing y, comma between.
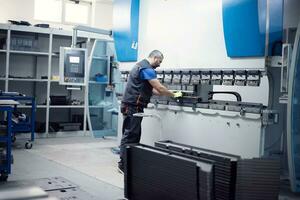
x: 103, y: 15
x: 16, y: 10
x: 189, y: 33
x: 24, y: 10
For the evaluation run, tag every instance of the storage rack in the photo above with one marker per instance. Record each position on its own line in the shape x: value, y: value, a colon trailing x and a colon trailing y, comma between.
x: 33, y: 69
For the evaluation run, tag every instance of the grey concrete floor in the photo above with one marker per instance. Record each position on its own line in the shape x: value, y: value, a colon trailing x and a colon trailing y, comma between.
x: 85, y: 161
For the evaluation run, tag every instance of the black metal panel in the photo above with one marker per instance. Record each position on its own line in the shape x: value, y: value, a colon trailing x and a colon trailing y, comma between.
x: 153, y: 173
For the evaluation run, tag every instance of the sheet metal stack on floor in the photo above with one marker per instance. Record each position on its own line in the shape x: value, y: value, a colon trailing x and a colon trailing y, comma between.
x: 153, y: 173
x: 224, y: 165
x: 172, y: 170
x: 258, y: 179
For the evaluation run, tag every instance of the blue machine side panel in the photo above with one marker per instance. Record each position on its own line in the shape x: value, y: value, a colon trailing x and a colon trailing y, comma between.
x: 244, y: 24
x: 244, y: 36
x: 125, y: 29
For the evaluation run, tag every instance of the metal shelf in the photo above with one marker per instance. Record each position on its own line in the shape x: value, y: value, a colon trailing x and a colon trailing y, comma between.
x: 99, y: 83
x: 67, y: 106
x: 33, y: 53
x: 27, y: 79
x: 101, y: 106
x: 28, y: 106
x: 104, y: 58
x: 55, y: 54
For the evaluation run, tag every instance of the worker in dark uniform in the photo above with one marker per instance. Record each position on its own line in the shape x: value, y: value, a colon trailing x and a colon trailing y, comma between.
x: 142, y: 83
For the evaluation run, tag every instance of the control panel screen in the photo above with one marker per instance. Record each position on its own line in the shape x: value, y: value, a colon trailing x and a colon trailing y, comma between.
x: 74, y: 59
x: 72, y: 66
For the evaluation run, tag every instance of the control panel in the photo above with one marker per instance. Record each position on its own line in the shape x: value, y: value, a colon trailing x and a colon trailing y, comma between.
x: 73, y: 66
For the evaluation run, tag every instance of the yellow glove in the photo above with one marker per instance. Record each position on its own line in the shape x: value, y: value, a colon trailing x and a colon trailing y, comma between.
x: 177, y: 94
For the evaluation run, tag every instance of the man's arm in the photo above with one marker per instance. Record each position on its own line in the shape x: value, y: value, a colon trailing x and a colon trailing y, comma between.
x: 154, y: 91
x: 160, y: 89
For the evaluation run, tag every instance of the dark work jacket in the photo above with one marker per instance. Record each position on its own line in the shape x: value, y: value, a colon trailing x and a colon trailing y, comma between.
x: 138, y: 92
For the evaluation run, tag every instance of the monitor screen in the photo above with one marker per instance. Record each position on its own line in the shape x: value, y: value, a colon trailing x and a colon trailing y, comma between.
x: 74, y: 64
x: 74, y: 59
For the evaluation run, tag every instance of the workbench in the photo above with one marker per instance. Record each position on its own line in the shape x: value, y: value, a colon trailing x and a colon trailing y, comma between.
x: 23, y: 126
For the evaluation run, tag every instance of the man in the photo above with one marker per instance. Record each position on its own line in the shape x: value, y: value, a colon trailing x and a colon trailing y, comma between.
x: 142, y: 83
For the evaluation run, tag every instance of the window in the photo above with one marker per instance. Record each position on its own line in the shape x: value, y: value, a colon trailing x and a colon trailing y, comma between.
x: 48, y: 10
x: 62, y: 11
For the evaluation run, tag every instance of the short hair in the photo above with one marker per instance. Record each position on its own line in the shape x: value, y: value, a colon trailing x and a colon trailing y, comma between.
x: 155, y: 54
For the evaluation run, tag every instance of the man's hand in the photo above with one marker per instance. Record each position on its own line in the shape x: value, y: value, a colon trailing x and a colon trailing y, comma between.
x: 177, y: 94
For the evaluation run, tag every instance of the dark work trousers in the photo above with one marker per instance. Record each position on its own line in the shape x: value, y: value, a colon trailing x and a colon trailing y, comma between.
x: 131, y: 130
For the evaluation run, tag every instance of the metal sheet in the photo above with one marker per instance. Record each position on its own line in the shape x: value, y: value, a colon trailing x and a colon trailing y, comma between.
x: 22, y: 193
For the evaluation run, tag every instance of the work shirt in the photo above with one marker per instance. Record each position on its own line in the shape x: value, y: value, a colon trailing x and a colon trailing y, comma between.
x: 138, y: 89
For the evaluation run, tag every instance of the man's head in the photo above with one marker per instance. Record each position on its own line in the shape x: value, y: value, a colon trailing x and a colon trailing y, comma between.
x: 155, y: 58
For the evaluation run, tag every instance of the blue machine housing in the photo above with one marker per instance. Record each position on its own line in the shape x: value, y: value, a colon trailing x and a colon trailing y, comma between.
x: 244, y: 24
x: 125, y: 31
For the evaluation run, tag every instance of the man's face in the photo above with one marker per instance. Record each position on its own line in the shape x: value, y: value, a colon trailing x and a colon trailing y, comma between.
x: 156, y: 62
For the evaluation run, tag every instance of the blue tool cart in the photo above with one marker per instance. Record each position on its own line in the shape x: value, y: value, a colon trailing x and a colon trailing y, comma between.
x: 22, y: 123
x: 6, y: 107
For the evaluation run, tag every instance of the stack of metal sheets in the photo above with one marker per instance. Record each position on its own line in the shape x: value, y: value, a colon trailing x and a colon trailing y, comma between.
x: 153, y: 173
x: 224, y: 166
x: 258, y: 179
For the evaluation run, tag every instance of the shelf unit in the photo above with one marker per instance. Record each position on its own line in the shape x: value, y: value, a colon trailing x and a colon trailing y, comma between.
x: 29, y: 58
